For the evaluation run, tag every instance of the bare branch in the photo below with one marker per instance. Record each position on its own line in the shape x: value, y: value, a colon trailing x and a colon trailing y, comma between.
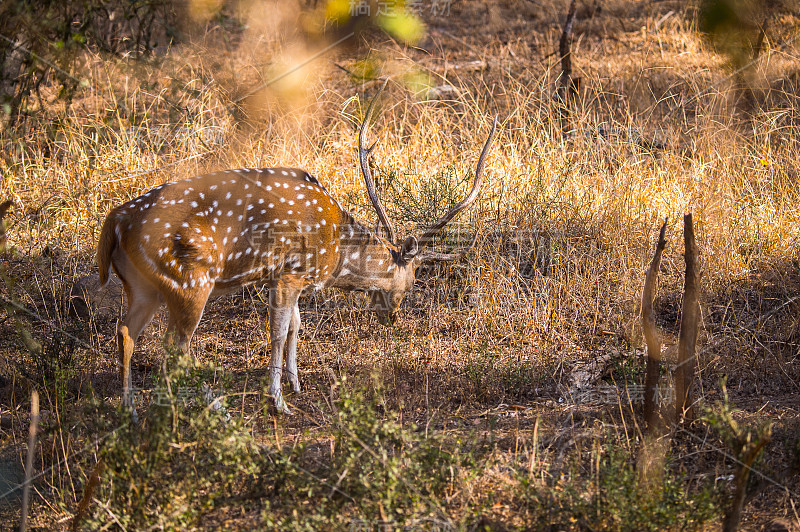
x: 567, y: 86
x: 564, y: 46
x: 690, y: 321
x: 88, y: 493
x: 26, y: 490
x: 651, y: 334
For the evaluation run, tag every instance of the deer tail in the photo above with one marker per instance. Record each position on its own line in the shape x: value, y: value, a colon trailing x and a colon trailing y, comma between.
x: 106, y: 246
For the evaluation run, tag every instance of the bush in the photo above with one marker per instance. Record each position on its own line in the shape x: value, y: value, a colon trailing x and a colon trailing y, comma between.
x: 614, y: 499
x: 43, y: 43
x: 381, y: 473
x: 183, y: 458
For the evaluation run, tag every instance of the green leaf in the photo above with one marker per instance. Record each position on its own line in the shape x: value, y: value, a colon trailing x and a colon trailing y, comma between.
x: 402, y: 25
x: 338, y: 11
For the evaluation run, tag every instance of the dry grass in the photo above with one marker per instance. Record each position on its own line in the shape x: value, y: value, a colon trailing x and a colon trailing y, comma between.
x: 568, y: 222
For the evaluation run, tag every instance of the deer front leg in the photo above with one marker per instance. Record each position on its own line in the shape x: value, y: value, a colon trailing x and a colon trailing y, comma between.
x: 291, y: 349
x: 185, y: 311
x: 282, y: 305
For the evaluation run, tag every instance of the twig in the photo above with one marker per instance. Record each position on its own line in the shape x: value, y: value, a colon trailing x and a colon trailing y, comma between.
x: 88, y: 492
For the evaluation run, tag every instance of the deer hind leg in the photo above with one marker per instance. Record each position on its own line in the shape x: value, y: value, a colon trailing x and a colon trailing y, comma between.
x: 291, y: 349
x: 143, y: 302
x: 282, y: 304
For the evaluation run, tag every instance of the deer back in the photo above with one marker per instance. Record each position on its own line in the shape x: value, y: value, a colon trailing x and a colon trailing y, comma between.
x: 232, y: 228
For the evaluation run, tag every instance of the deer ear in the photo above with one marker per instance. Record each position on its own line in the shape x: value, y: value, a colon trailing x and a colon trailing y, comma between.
x: 409, y: 250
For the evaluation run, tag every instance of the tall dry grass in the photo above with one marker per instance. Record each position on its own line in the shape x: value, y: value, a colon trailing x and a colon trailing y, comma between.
x: 598, y: 190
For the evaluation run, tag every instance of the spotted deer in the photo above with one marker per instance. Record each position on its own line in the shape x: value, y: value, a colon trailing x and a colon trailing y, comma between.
x: 186, y: 241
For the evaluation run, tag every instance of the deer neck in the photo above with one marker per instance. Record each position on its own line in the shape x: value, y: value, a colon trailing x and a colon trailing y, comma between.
x: 367, y: 262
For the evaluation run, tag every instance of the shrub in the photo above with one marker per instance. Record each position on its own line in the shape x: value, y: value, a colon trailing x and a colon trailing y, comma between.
x: 381, y: 473
x: 614, y: 499
x: 183, y: 458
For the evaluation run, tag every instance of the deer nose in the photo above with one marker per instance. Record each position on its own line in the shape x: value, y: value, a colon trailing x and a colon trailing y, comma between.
x: 387, y: 317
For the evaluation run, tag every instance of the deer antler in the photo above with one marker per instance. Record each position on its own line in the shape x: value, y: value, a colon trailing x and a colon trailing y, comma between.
x: 363, y: 154
x: 433, y: 230
x: 437, y: 226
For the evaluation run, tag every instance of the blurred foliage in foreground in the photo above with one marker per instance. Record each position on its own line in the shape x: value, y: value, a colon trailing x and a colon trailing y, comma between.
x: 43, y: 45
x: 188, y: 461
x: 736, y: 27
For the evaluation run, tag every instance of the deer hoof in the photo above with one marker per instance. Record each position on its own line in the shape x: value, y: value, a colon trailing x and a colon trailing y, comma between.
x: 280, y: 406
